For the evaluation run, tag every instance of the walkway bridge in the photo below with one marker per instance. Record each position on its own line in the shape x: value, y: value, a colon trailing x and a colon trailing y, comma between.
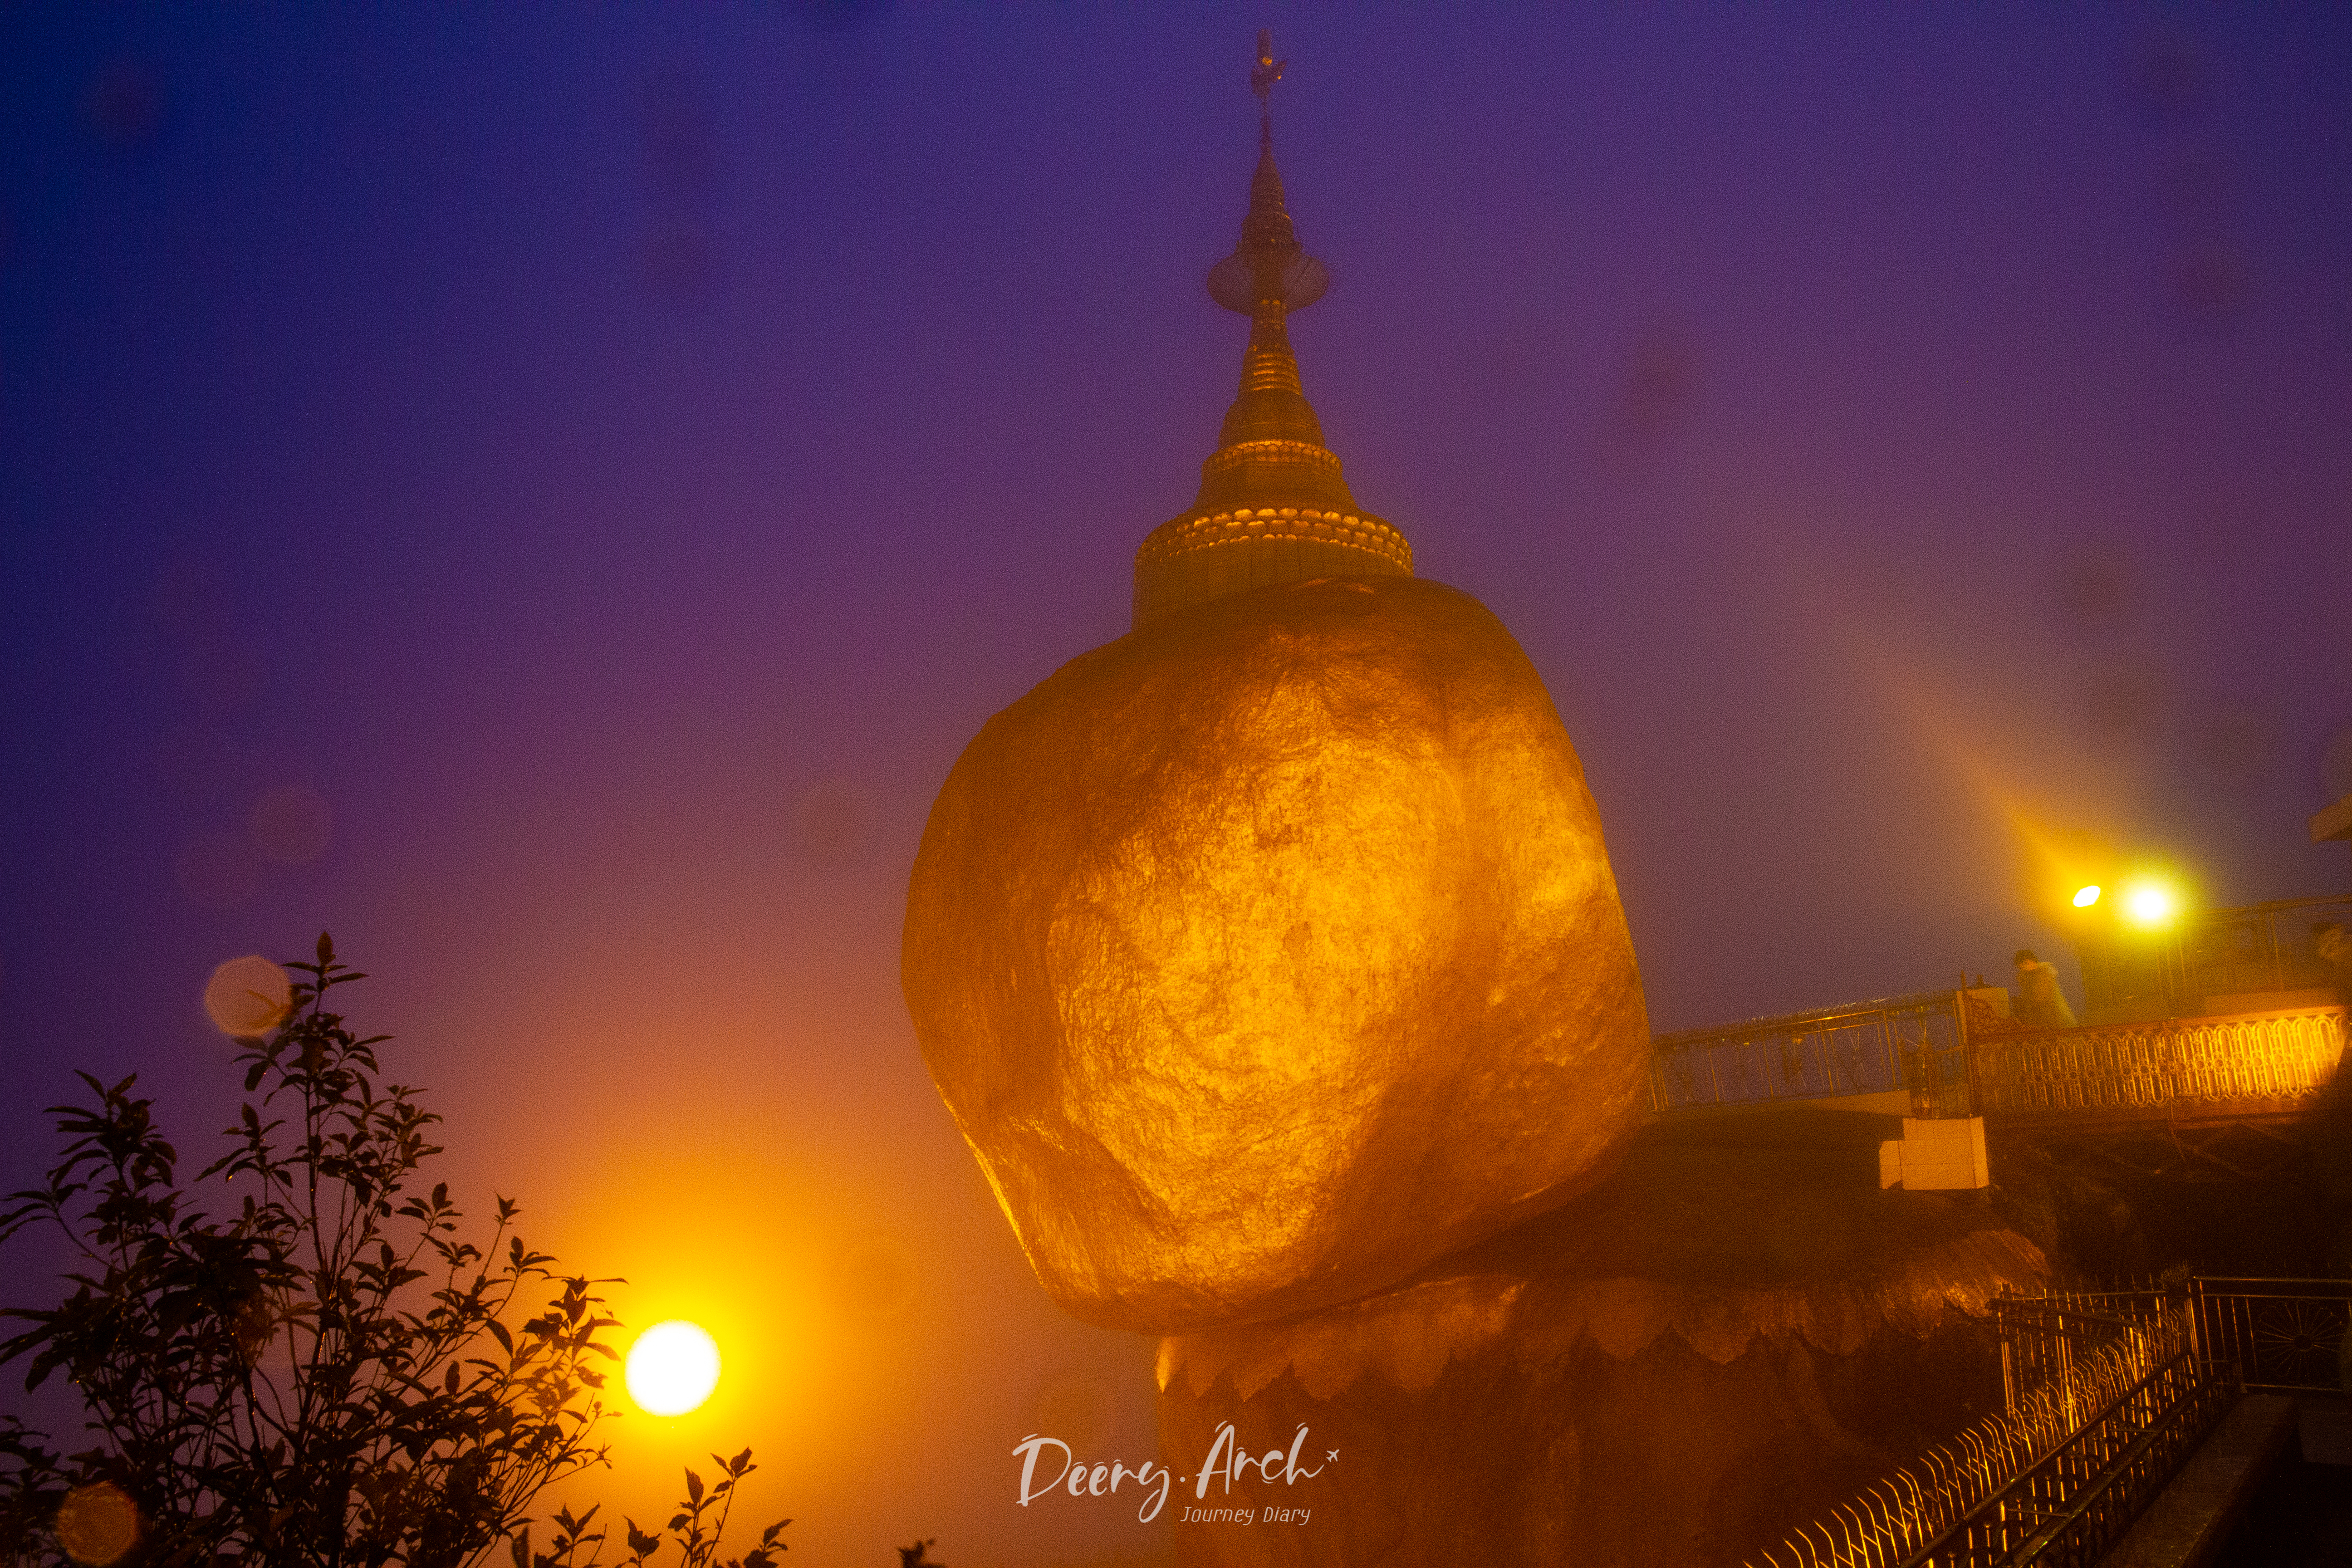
x: 2226, y: 1089
x: 2219, y: 1095
x: 2225, y: 1033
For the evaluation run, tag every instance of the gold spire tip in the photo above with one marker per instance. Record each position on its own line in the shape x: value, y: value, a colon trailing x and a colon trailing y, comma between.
x: 1267, y: 71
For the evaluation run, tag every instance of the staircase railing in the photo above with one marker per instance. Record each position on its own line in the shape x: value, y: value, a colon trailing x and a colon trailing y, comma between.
x: 2014, y: 1468
x: 2107, y: 1393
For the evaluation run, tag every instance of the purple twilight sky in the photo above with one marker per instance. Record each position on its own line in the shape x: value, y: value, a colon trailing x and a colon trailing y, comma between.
x: 546, y: 493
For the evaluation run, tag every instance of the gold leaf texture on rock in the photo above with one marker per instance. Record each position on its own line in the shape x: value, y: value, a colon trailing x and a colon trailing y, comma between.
x: 1272, y: 950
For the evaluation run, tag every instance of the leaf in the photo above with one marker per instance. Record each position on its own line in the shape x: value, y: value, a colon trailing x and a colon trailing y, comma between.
x: 498, y: 1332
x: 693, y: 1486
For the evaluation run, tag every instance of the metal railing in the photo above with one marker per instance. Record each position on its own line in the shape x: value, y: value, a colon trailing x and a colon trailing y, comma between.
x: 1956, y: 1057
x: 2283, y: 1335
x: 1902, y: 1043
x: 2014, y: 1472
x: 2043, y: 1337
x: 2283, y: 1057
x: 2074, y: 1505
x: 2108, y: 1393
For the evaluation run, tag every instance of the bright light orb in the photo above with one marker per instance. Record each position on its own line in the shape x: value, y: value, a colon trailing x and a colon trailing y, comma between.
x: 2086, y: 896
x: 2151, y: 903
x: 247, y: 997
x: 672, y: 1368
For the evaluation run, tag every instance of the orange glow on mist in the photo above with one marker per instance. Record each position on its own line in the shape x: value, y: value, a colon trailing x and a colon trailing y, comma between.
x: 2041, y: 787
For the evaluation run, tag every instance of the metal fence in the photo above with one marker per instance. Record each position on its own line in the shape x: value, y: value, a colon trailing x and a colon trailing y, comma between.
x: 2043, y: 1337
x: 1975, y: 1499
x: 1956, y: 1057
x: 2072, y: 1507
x: 2284, y: 1336
x: 1913, y: 1044
x: 2283, y: 1057
x: 2108, y: 1393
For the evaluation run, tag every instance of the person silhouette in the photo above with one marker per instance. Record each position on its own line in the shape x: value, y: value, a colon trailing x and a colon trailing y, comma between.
x: 2041, y: 1004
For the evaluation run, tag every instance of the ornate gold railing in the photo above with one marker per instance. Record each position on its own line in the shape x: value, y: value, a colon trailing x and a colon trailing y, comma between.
x: 1958, y: 1057
x: 2283, y: 1057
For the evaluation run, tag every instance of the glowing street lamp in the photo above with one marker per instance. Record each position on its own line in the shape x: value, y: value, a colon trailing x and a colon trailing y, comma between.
x: 2151, y: 903
x: 672, y: 1368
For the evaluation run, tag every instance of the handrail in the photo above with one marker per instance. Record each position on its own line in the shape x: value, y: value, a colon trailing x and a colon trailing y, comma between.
x: 1996, y: 1505
x: 1780, y: 1023
x: 2109, y: 1479
x: 2034, y: 1305
x: 1881, y: 1526
x: 1955, y: 1059
x: 1898, y: 1045
x: 2287, y: 1055
x: 2016, y: 1489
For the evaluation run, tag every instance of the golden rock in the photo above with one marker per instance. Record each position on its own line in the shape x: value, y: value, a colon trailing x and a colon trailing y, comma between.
x: 1271, y: 952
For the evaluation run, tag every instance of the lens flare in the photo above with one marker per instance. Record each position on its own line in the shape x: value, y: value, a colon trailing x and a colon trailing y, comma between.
x: 247, y: 997
x: 672, y: 1368
x: 97, y: 1524
x: 2087, y: 896
x: 2151, y: 903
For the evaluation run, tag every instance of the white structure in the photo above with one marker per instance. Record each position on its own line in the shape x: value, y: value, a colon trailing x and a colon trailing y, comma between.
x: 1944, y: 1155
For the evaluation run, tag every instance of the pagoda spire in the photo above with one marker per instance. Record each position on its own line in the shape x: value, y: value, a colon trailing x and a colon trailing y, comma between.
x: 1272, y: 490
x: 1268, y: 275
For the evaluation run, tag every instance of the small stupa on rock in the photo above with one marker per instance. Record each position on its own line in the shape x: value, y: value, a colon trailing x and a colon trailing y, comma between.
x: 1273, y: 506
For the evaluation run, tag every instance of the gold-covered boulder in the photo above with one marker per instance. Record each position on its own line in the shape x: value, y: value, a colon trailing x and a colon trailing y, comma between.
x: 1271, y: 952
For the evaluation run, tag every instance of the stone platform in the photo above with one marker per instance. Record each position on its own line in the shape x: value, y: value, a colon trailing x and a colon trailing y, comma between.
x: 1736, y: 1329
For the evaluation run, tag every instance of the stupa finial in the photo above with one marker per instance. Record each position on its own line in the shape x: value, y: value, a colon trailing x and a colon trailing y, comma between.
x: 1268, y: 275
x: 1268, y: 70
x: 1263, y: 76
x: 1273, y: 506
x: 1268, y: 267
